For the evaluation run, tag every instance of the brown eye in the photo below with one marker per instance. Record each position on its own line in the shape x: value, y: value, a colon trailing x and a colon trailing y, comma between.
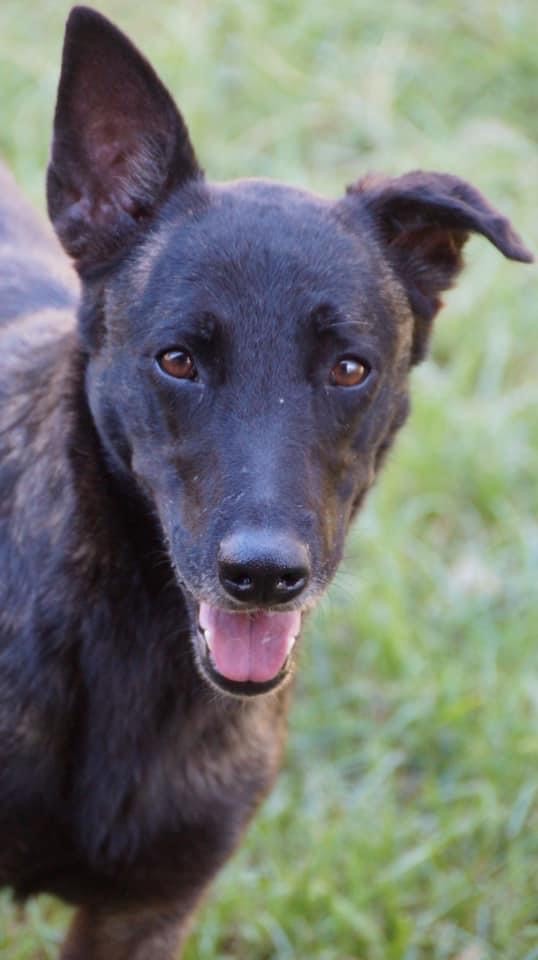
x: 349, y: 372
x: 178, y: 364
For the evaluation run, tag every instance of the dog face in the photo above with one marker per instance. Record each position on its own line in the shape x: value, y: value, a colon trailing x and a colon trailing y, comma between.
x: 248, y: 344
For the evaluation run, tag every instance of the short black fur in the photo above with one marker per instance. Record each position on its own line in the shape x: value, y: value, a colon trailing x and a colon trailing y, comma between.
x: 129, y: 764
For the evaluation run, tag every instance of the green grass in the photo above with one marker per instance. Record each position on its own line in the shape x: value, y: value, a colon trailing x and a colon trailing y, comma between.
x: 405, y: 823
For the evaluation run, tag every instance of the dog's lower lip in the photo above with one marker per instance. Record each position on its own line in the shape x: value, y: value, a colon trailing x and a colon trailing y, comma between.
x: 242, y: 688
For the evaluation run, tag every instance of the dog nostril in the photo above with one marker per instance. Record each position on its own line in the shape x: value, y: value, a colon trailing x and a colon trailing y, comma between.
x: 290, y: 581
x: 243, y: 582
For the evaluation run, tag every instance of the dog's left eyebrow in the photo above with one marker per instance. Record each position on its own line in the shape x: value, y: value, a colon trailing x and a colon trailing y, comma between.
x: 327, y: 324
x: 327, y: 317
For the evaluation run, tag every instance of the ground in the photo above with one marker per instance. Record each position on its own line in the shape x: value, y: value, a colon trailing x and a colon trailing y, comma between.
x: 405, y: 824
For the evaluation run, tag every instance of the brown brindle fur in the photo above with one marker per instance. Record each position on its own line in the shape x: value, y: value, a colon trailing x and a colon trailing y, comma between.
x: 96, y: 936
x: 130, y: 766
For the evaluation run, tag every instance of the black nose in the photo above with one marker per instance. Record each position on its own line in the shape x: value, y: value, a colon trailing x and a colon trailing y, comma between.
x: 264, y: 569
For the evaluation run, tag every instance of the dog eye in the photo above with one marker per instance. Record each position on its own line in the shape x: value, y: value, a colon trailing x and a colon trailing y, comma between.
x: 349, y: 372
x: 177, y: 363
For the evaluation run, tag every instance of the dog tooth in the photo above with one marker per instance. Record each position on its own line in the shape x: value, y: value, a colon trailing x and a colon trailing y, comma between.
x: 291, y: 644
x: 207, y: 635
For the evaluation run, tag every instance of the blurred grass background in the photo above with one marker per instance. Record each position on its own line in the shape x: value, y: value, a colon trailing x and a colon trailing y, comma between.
x: 405, y: 823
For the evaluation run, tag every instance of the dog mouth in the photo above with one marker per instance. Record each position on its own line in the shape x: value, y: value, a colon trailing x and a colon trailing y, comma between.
x: 246, y: 653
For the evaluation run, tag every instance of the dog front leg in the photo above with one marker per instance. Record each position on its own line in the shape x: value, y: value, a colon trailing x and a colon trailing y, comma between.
x: 133, y: 933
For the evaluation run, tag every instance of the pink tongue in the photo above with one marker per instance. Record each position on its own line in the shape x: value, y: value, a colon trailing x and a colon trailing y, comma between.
x: 249, y: 646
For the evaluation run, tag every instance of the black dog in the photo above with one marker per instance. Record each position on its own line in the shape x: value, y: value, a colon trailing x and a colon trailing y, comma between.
x: 178, y: 472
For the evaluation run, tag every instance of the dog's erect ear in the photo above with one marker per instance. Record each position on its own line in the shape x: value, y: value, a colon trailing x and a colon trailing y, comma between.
x: 424, y: 220
x: 120, y: 145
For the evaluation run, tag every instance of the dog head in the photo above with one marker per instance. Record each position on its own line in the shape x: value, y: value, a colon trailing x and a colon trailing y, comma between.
x: 248, y: 344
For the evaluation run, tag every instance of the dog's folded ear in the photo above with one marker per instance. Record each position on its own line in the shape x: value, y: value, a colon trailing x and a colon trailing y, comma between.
x: 120, y: 144
x: 423, y: 220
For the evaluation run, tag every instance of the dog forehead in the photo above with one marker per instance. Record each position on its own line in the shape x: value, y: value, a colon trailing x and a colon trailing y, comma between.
x: 257, y: 254
x: 273, y: 230
x: 250, y: 234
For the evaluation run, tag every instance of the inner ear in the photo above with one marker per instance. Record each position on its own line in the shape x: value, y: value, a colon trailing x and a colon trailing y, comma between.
x: 120, y: 144
x: 423, y: 221
x: 430, y: 258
